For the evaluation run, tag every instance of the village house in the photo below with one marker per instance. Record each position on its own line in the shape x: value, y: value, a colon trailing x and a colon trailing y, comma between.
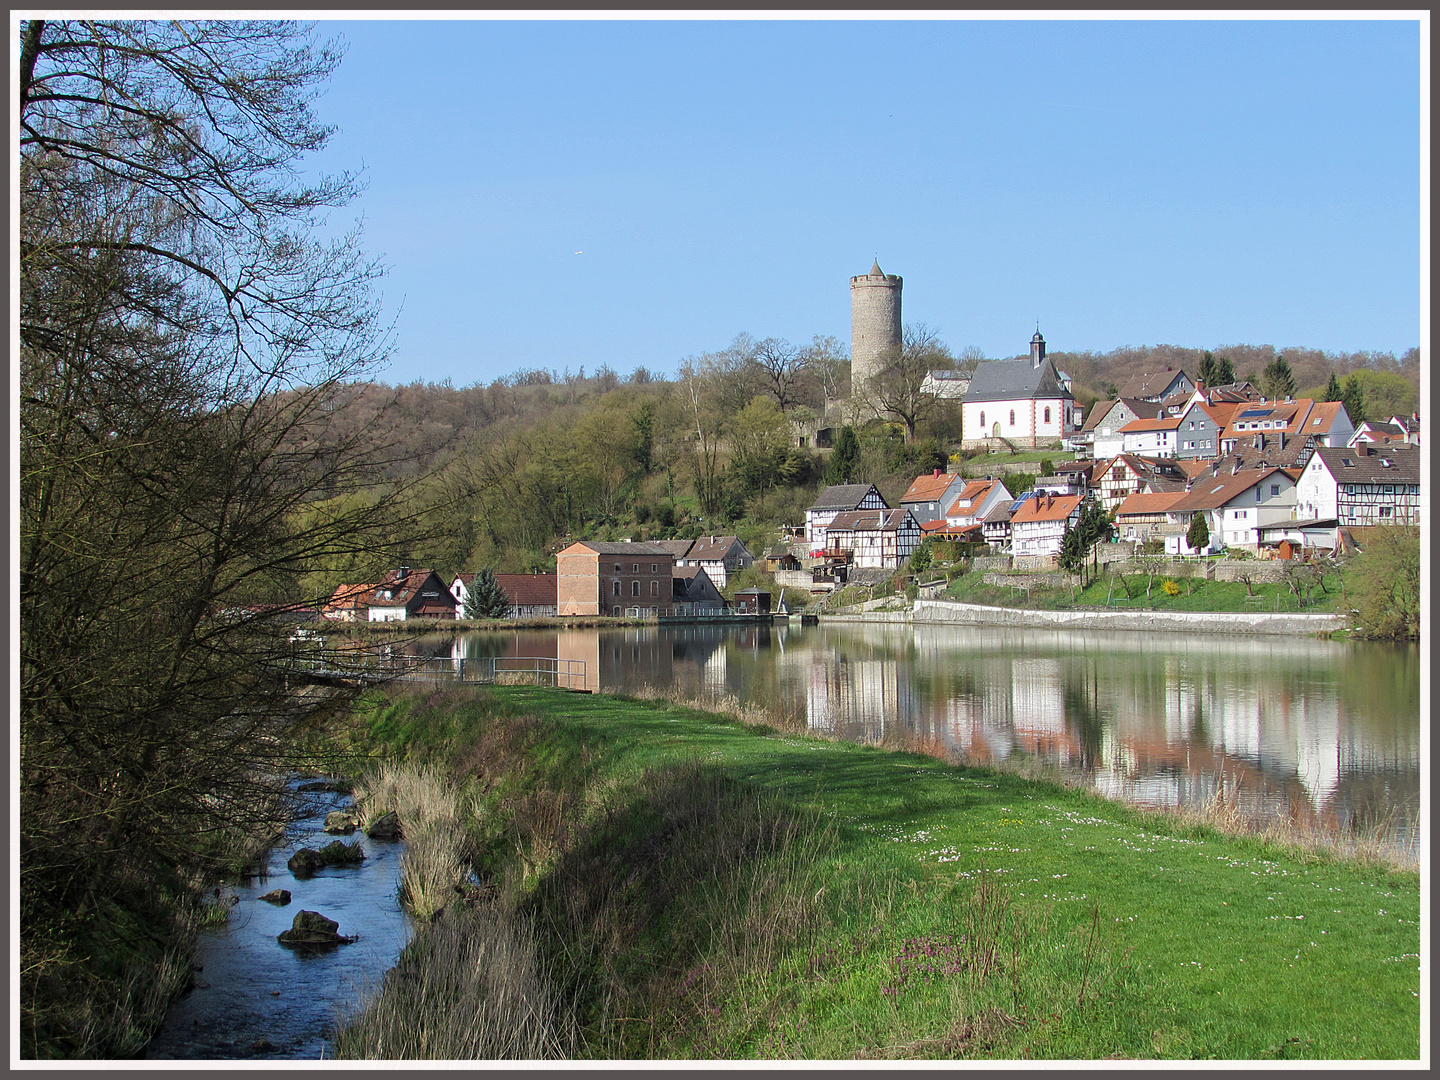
x: 1362, y: 485
x: 720, y: 556
x: 596, y: 577
x: 1129, y: 474
x: 995, y: 526
x: 1398, y: 429
x: 1236, y: 506
x: 976, y: 499
x: 1197, y: 434
x: 930, y: 497
x: 348, y: 604
x: 693, y: 593
x: 837, y: 499
x: 1157, y: 385
x: 531, y: 596
x: 1150, y: 438
x: 875, y: 539
x: 1019, y: 402
x: 1257, y: 424
x: 409, y: 594
x: 1038, y: 525
x: 1144, y: 515
x: 1101, y: 432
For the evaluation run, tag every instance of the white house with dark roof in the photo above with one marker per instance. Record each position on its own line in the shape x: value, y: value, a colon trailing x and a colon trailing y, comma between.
x: 1023, y: 402
x: 1101, y: 431
x: 720, y: 556
x: 1361, y: 485
x: 1157, y: 385
x: 1236, y: 506
x: 837, y: 499
x: 876, y: 539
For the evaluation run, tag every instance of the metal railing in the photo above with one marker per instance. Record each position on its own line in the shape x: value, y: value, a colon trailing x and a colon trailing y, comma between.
x: 371, y: 665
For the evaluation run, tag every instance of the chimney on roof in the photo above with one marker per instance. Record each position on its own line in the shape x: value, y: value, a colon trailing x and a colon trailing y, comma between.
x: 937, y: 475
x: 403, y: 574
x: 1235, y: 468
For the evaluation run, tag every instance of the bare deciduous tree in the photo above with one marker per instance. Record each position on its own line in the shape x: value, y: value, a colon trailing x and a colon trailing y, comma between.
x: 186, y: 340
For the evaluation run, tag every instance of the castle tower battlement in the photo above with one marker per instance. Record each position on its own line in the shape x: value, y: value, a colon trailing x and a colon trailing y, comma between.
x: 874, y: 324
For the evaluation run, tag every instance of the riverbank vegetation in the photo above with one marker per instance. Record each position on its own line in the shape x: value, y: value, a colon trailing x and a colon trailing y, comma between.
x: 183, y: 338
x: 655, y: 881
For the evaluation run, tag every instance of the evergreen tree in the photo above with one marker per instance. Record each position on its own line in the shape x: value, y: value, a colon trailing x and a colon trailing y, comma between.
x: 1332, y: 389
x: 1198, y: 535
x: 486, y: 600
x: 1278, y: 381
x: 1224, y: 372
x: 1354, y: 400
x: 1209, y: 369
x: 844, y: 458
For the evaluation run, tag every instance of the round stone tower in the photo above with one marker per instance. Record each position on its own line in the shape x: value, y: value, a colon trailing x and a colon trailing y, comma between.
x: 874, y: 324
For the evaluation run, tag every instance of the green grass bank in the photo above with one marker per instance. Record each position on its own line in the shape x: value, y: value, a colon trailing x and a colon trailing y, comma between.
x: 659, y: 882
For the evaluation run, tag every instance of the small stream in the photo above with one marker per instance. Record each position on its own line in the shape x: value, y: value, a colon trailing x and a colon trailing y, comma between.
x: 254, y: 998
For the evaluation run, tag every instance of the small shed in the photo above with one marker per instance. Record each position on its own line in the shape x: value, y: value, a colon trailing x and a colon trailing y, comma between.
x: 752, y: 601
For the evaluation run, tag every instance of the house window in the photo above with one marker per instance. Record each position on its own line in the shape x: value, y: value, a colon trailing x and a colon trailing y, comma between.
x: 1012, y: 417
x: 654, y: 568
x: 615, y: 610
x: 1386, y: 511
x: 1047, y: 414
x: 616, y: 590
x: 635, y: 568
x: 982, y: 418
x: 1274, y: 489
x: 634, y: 588
x: 654, y: 588
x: 617, y: 568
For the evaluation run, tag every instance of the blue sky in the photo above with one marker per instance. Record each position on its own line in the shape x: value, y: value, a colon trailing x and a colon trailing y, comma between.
x: 1196, y: 183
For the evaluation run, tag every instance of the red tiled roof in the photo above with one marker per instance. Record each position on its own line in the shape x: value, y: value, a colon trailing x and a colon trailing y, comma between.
x: 1152, y: 425
x: 928, y: 488
x: 1149, y: 502
x: 528, y: 590
x: 1046, y: 508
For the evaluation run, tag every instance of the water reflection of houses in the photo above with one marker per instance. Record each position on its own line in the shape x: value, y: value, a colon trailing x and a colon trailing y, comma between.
x: 861, y: 698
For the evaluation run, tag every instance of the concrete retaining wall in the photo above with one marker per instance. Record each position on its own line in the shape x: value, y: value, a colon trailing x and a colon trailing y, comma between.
x: 1194, y: 622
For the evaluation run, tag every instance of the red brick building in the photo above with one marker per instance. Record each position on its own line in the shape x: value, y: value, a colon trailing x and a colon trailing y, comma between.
x: 596, y: 577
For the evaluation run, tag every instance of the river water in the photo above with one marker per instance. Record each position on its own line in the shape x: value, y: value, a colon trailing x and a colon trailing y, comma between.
x: 1326, y: 732
x: 254, y: 998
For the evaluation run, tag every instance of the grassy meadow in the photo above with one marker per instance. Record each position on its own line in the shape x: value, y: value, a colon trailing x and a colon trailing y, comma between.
x: 653, y: 881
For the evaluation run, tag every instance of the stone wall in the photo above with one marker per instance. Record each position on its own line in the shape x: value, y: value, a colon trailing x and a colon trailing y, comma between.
x: 1269, y: 572
x: 1163, y: 569
x: 1055, y: 579
x: 990, y: 562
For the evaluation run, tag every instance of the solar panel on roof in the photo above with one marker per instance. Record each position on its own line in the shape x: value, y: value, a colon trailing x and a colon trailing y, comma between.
x: 1256, y: 412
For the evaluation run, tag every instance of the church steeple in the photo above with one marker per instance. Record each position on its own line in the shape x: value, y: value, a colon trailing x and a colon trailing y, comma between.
x: 1037, y: 348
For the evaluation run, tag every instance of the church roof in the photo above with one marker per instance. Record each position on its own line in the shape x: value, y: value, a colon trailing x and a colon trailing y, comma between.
x: 1010, y: 380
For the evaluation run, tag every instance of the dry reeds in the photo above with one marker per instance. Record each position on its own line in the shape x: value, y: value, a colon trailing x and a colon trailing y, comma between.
x: 469, y: 987
x: 438, y: 846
